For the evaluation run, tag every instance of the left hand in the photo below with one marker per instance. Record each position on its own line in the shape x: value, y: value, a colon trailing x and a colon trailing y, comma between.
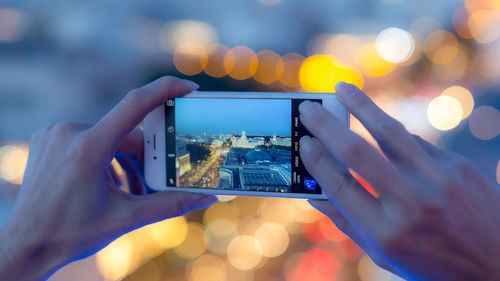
x: 70, y: 205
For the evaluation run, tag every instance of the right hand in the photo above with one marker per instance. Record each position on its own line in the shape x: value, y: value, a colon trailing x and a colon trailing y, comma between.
x: 437, y: 217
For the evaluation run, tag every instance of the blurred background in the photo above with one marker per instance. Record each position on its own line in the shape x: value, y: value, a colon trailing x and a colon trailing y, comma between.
x: 434, y: 65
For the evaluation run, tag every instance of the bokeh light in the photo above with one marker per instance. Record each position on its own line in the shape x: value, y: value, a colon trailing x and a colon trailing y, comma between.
x: 441, y: 47
x: 207, y: 268
x: 317, y: 264
x: 291, y: 67
x: 190, y: 58
x: 168, y: 233
x: 176, y: 33
x: 194, y: 243
x: 11, y: 24
x: 273, y: 239
x: 244, y: 252
x: 320, y: 73
x: 395, y: 45
x: 221, y: 219
x: 270, y: 67
x: 340, y: 46
x: 463, y: 96
x: 280, y: 211
x: 241, y: 63
x: 484, y: 122
x: 444, y: 113
x: 117, y: 259
x: 484, y: 25
x: 13, y: 160
x: 214, y: 66
x: 370, y: 63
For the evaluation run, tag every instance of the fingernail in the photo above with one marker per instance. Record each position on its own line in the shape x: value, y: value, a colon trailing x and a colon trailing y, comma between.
x: 344, y: 90
x: 306, y: 144
x: 305, y: 106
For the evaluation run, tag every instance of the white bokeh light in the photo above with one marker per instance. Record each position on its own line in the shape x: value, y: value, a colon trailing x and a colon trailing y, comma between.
x: 395, y: 45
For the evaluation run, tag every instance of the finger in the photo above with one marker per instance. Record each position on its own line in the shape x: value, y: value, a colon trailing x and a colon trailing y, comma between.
x: 146, y: 209
x: 336, y: 217
x: 130, y: 155
x: 120, y: 121
x: 339, y: 220
x: 358, y: 206
x: 351, y: 149
x: 135, y: 176
x: 430, y: 148
x: 396, y: 143
x: 114, y: 176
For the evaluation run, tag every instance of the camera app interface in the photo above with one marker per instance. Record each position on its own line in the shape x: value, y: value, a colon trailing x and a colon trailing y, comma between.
x: 237, y: 144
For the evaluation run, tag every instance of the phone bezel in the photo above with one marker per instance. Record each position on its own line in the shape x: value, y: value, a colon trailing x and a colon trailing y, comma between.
x: 154, y: 141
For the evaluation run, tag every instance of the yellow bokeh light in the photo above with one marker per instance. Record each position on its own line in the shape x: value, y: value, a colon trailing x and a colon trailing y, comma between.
x: 221, y: 219
x: 291, y: 68
x: 273, y: 239
x: 320, y: 73
x: 444, y: 113
x: 168, y: 233
x: 244, y: 252
x: 118, y: 259
x: 13, y: 160
x: 194, y: 244
x: 370, y: 63
x: 215, y: 61
x: 207, y: 268
x: 241, y: 63
x: 190, y: 58
x: 305, y: 212
x: 441, y: 47
x: 233, y: 273
x: 280, y: 211
x: 270, y: 67
x: 463, y: 96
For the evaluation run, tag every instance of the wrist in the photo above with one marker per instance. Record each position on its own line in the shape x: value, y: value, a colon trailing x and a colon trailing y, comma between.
x: 25, y: 259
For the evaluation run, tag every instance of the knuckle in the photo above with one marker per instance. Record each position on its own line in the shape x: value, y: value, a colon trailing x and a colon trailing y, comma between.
x: 461, y: 164
x: 342, y: 180
x: 354, y: 151
x: 63, y: 127
x: 390, y: 130
x: 38, y: 134
x: 180, y: 208
x: 313, y: 156
x: 81, y: 145
x: 135, y: 97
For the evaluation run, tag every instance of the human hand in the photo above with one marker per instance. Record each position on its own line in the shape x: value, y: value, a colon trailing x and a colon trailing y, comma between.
x: 70, y: 204
x: 436, y: 216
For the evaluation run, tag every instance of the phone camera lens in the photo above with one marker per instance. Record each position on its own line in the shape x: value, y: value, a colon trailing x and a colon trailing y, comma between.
x: 154, y: 157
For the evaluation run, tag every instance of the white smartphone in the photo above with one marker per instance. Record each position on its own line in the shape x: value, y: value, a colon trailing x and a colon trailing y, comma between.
x: 232, y: 143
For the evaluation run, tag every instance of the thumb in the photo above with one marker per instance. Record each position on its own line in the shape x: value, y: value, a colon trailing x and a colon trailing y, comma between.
x: 150, y: 208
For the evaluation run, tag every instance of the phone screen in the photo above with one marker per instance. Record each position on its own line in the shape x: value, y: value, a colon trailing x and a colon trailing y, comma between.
x: 246, y: 144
